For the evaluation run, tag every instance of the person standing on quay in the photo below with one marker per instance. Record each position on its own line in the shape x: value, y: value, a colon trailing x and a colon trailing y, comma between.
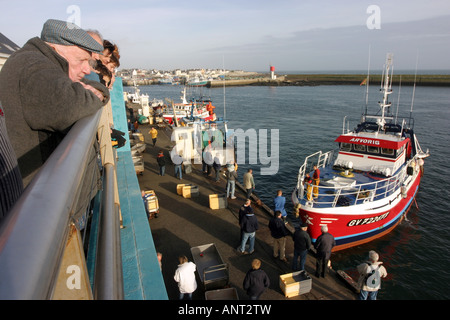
x: 245, y: 209
x: 370, y: 274
x: 325, y: 242
x: 231, y: 175
x: 279, y: 201
x: 185, y: 276
x: 154, y: 133
x: 256, y: 281
x: 177, y: 162
x: 161, y: 162
x: 278, y: 231
x: 249, y: 183
x: 249, y: 225
x: 302, y: 243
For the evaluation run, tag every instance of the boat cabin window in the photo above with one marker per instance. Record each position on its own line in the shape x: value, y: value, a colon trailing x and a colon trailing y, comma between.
x: 371, y: 149
x: 359, y: 147
x: 387, y: 152
x: 346, y: 146
x: 400, y: 151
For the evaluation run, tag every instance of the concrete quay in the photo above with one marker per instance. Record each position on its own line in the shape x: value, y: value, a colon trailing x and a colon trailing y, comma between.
x: 183, y: 223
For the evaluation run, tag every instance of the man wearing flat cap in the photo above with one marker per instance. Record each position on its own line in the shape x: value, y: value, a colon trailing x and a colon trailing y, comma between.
x: 43, y: 91
x: 302, y: 244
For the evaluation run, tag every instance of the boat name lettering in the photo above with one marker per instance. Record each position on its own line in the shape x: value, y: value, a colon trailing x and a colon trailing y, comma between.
x: 368, y: 141
x: 360, y: 222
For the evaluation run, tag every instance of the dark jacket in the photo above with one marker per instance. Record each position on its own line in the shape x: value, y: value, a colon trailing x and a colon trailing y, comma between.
x: 161, y: 160
x: 325, y: 242
x: 255, y: 282
x: 41, y: 102
x: 243, y: 211
x: 231, y: 175
x: 277, y: 228
x: 302, y: 240
x: 249, y: 223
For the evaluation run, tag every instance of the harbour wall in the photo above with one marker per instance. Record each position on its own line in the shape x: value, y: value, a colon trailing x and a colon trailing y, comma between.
x: 322, y: 79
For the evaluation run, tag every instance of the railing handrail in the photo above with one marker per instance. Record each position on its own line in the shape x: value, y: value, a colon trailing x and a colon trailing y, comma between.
x: 390, y: 184
x: 34, y: 234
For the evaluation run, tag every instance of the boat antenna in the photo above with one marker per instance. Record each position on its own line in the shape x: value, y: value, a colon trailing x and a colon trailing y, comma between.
x: 367, y: 82
x: 224, y: 105
x: 414, y: 89
x: 398, y: 99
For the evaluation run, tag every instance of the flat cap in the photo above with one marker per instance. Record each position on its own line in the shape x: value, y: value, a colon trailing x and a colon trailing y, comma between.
x: 69, y: 34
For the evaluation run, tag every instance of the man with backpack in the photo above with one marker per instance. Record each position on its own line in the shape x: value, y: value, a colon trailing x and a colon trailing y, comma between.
x: 370, y: 273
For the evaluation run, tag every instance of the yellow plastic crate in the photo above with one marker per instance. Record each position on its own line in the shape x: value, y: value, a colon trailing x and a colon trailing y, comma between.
x: 218, y: 201
x: 189, y: 191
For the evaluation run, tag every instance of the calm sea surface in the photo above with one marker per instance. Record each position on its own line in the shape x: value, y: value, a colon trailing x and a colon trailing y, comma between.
x: 417, y: 253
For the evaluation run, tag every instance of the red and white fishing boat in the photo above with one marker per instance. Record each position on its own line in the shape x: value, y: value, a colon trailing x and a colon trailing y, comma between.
x: 196, y: 109
x: 365, y: 191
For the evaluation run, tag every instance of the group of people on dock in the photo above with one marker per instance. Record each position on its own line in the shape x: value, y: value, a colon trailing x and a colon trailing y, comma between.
x: 256, y: 280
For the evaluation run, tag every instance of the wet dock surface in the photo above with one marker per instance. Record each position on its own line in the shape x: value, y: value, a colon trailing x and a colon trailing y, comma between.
x: 184, y: 223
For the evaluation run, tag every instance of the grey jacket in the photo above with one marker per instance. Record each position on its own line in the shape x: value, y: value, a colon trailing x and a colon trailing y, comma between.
x: 41, y: 103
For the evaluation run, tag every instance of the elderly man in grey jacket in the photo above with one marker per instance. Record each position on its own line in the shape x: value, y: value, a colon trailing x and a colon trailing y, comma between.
x: 43, y: 91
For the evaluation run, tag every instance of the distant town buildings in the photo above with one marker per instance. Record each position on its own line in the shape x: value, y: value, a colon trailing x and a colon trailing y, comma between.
x: 154, y: 76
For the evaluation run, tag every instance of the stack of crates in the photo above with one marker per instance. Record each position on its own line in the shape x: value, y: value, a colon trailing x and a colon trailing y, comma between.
x: 187, y: 190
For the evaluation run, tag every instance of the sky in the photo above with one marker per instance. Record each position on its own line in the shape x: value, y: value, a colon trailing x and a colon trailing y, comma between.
x: 251, y: 35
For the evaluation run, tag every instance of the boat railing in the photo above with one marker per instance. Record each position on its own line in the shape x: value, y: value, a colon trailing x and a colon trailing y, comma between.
x: 41, y: 251
x: 320, y: 159
x: 333, y: 196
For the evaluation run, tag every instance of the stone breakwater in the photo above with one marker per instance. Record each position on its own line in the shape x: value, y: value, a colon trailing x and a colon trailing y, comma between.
x: 321, y: 79
x: 336, y: 79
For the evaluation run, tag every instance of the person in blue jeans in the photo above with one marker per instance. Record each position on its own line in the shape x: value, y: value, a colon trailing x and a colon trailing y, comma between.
x: 231, y: 175
x: 249, y: 225
x: 370, y: 273
x: 177, y: 162
x: 302, y: 243
x: 161, y: 162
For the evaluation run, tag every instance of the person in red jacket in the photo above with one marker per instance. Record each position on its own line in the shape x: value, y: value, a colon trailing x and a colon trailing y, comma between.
x: 316, y: 180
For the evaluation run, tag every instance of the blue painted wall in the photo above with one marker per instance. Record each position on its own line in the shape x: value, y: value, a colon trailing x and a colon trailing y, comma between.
x: 143, y: 279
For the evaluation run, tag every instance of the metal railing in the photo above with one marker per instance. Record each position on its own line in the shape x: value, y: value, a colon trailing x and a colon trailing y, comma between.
x: 333, y: 196
x: 34, y: 234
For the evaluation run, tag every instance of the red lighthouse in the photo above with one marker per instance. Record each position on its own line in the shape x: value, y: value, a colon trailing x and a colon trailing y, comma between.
x: 272, y: 72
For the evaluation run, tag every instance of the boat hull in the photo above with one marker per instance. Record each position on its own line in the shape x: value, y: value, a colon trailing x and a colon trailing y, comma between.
x: 354, y: 228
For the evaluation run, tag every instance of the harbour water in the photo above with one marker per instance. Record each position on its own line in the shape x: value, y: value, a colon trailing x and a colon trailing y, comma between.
x: 416, y: 254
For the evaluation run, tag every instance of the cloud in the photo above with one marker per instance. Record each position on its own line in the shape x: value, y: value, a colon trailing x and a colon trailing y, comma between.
x: 348, y: 47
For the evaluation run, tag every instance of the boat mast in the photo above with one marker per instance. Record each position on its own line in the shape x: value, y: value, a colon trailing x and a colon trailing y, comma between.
x: 386, y: 89
x: 414, y: 90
